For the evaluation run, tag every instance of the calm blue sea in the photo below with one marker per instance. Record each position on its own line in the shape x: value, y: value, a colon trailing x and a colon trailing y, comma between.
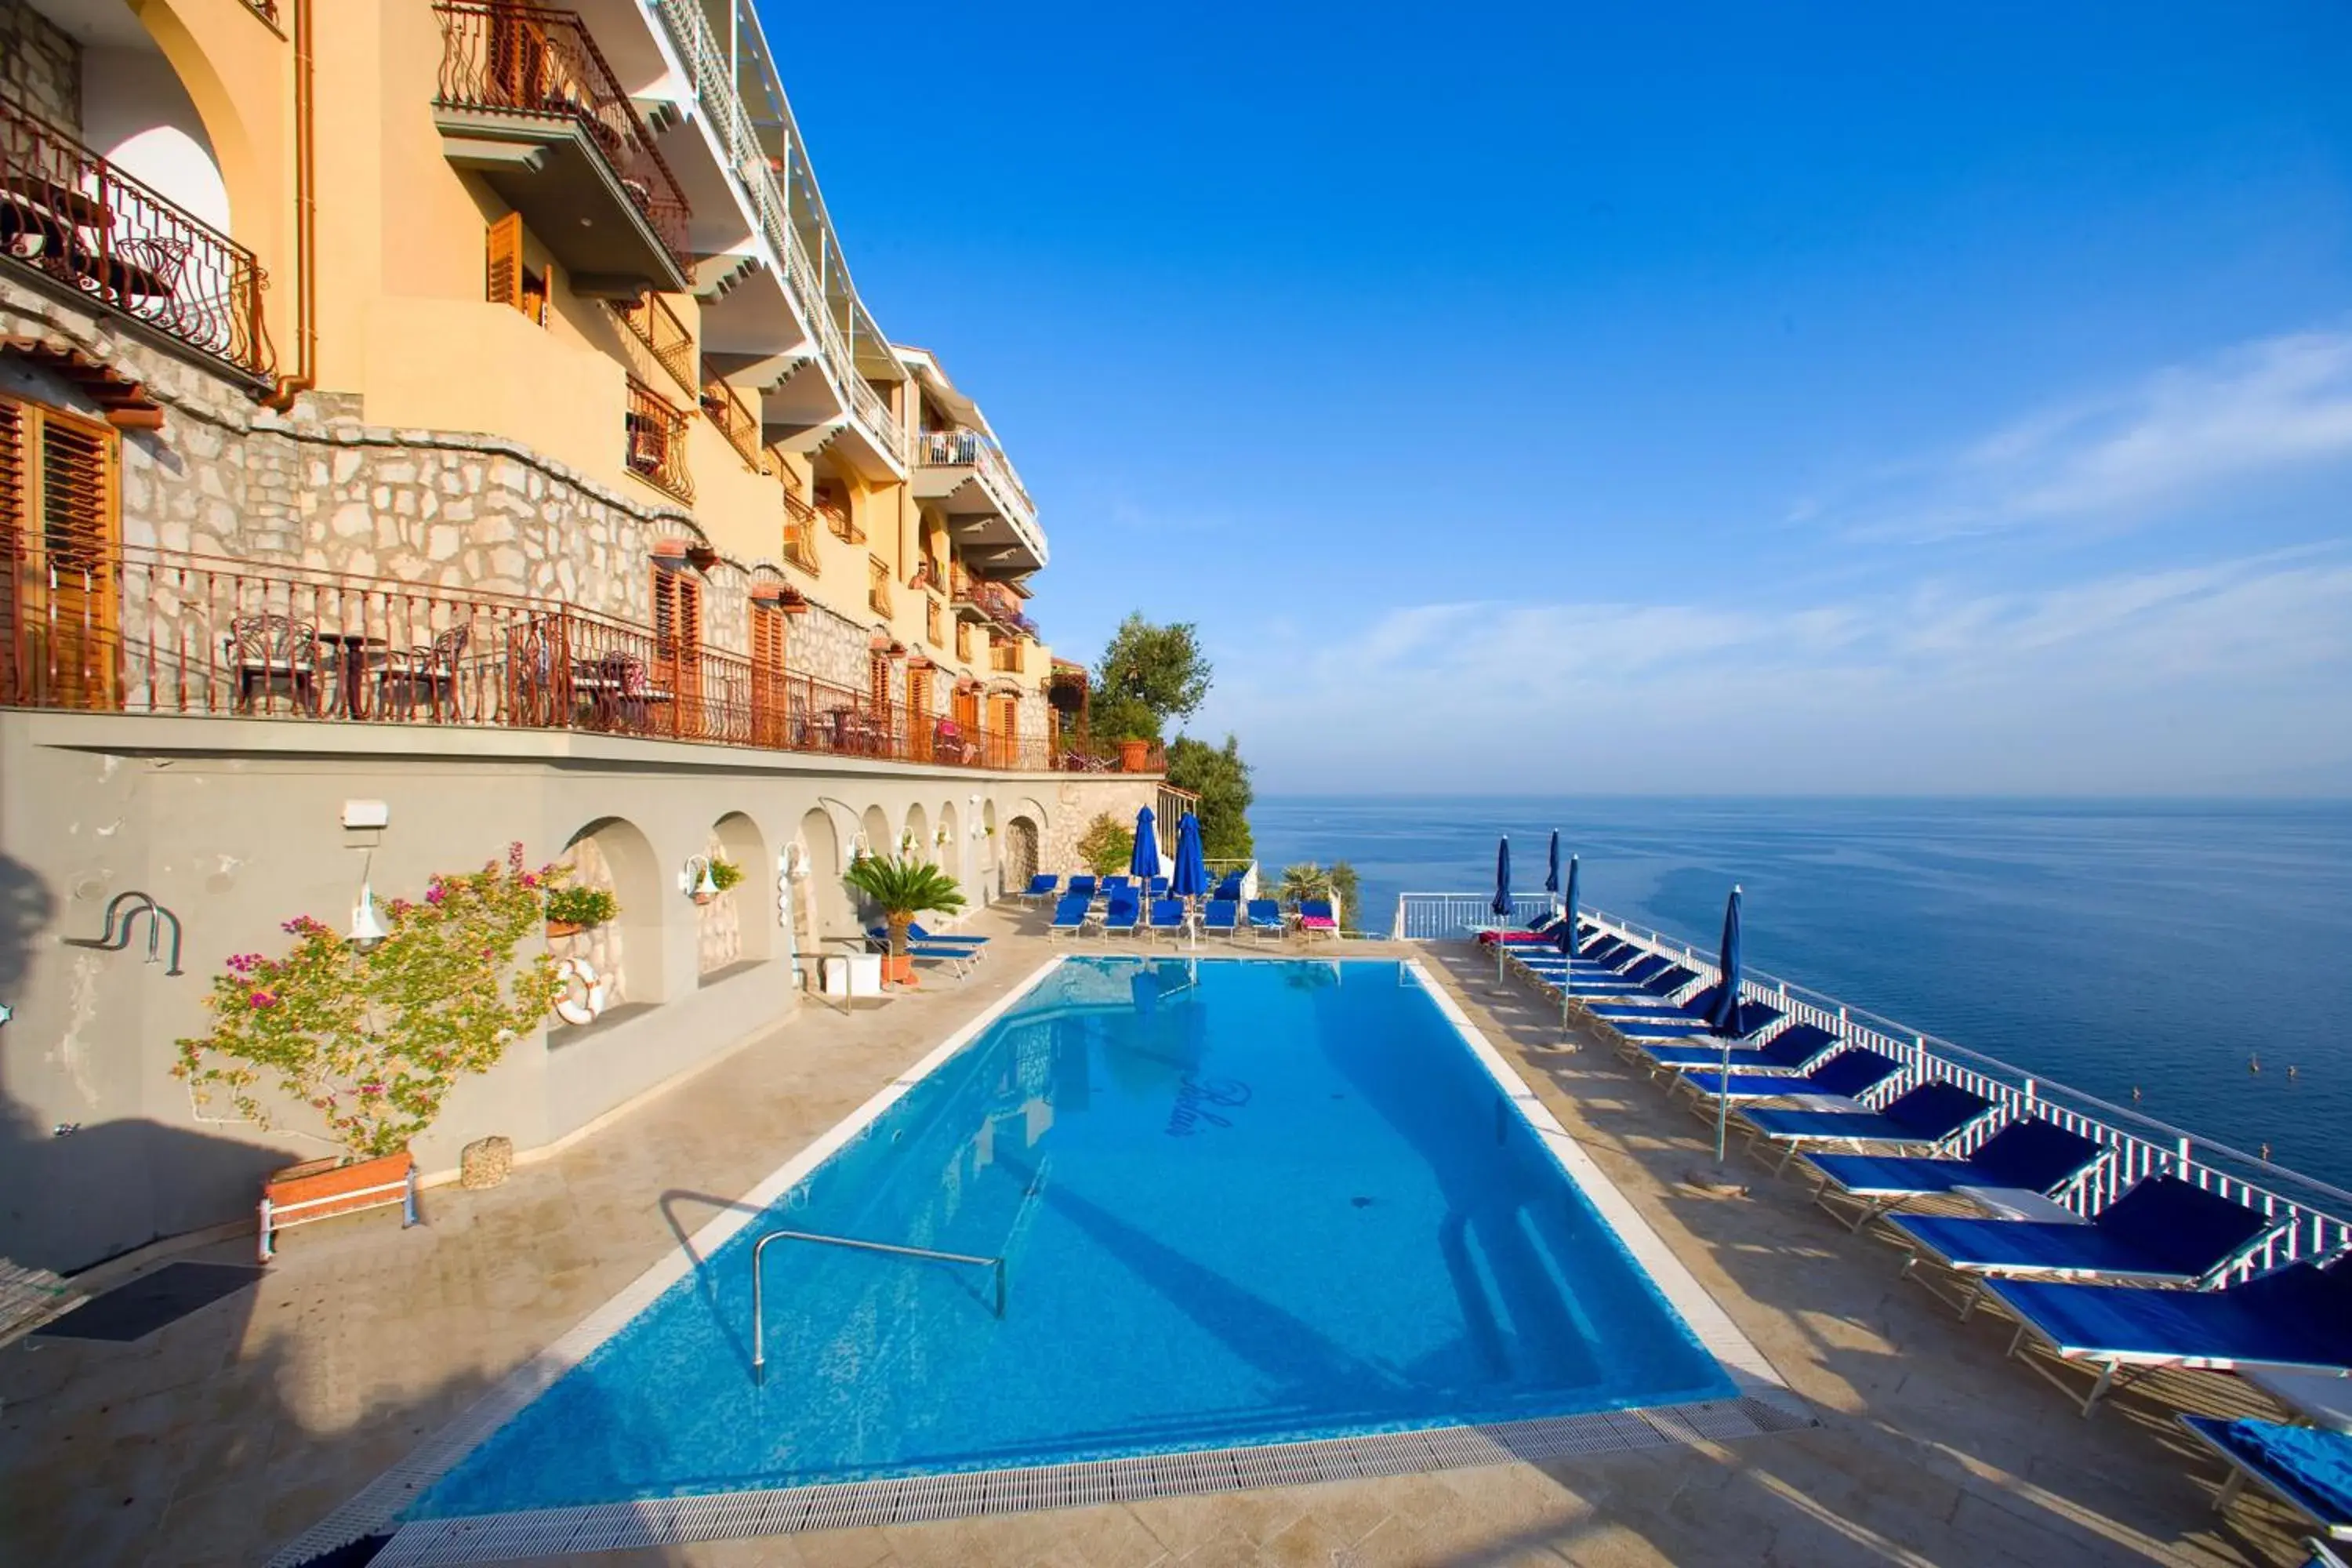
x: 2107, y: 945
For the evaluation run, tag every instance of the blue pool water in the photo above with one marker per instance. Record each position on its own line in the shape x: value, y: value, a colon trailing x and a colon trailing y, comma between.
x: 1241, y: 1202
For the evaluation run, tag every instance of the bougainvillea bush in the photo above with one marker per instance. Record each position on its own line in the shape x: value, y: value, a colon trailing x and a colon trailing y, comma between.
x: 371, y: 1042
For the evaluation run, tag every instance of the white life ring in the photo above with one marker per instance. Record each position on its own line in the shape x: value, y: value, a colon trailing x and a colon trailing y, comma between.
x: 599, y: 991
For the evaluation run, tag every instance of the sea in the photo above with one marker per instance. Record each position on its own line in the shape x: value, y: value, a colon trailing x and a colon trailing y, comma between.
x: 2196, y: 954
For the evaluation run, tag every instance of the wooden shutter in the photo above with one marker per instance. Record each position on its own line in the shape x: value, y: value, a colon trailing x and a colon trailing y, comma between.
x: 505, y: 262
x: 14, y: 493
x: 677, y: 648
x: 768, y: 692
x: 58, y: 557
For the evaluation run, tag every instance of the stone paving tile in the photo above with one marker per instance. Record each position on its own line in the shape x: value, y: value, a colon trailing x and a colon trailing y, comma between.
x: 235, y: 1430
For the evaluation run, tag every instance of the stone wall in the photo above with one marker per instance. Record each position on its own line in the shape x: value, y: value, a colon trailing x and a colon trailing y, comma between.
x: 1078, y: 799
x: 41, y: 67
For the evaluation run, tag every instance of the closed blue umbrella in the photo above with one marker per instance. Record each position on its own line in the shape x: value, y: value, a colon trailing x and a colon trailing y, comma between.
x: 1144, y: 859
x: 1566, y: 941
x: 1502, y: 904
x: 1551, y: 865
x: 1724, y: 1017
x: 1190, y: 878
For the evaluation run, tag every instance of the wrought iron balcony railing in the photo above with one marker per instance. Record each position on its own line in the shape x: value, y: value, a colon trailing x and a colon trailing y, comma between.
x: 801, y: 523
x: 76, y: 218
x: 656, y: 442
x: 135, y: 630
x: 724, y: 406
x: 656, y: 326
x: 539, y: 61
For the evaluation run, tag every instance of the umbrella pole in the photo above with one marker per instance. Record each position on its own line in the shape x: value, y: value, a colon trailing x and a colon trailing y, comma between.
x: 1722, y: 1099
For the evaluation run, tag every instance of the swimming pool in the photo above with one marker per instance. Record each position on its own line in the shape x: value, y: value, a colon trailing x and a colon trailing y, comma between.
x: 1238, y: 1202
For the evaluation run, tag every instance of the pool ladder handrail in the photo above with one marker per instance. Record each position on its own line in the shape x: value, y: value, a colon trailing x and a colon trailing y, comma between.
x: 758, y: 1294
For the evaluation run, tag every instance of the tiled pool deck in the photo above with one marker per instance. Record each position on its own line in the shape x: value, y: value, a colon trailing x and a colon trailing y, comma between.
x: 233, y: 1431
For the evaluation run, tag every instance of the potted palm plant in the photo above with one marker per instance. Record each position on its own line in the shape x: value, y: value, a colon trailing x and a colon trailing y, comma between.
x: 903, y: 888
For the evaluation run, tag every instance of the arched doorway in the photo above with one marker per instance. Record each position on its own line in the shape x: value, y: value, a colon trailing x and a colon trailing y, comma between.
x: 950, y: 854
x: 1020, y: 852
x: 732, y: 928
x: 915, y: 842
x: 823, y: 903
x: 613, y: 856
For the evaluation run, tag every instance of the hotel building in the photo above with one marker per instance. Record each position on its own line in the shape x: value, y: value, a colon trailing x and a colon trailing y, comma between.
x: 461, y: 413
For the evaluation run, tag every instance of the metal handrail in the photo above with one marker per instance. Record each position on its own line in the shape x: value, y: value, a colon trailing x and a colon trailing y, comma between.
x: 759, y: 1292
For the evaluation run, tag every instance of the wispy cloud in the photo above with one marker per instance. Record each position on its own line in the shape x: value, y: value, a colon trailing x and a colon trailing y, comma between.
x: 2261, y: 410
x: 2234, y: 674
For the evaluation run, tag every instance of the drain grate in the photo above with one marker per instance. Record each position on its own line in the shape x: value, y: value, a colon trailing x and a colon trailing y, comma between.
x: 500, y: 1537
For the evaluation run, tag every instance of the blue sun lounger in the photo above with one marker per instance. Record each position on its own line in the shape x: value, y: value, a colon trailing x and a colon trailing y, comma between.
x: 1928, y: 1115
x: 2164, y: 1231
x: 1671, y: 1022
x: 1112, y: 887
x: 1083, y: 887
x: 1169, y: 914
x: 2028, y: 1156
x: 2294, y: 1319
x: 1835, y: 1085
x: 1265, y: 915
x: 1071, y: 914
x: 1122, y: 913
x: 2305, y: 1467
x: 1228, y: 889
x: 958, y: 959
x: 970, y: 945
x: 1793, y: 1049
x: 1041, y: 886
x: 1220, y: 915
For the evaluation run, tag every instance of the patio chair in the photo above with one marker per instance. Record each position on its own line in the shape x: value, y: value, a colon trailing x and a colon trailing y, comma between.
x: 1228, y: 888
x: 2309, y: 1469
x: 2027, y: 1156
x: 1070, y: 915
x: 1220, y: 916
x: 1158, y: 886
x: 1169, y: 914
x: 1041, y: 886
x: 1084, y: 887
x: 1265, y: 915
x: 267, y: 649
x: 429, y: 672
x: 1928, y: 1115
x: 2298, y: 1317
x: 1122, y: 913
x: 1117, y: 887
x: 1316, y: 919
x: 2164, y: 1231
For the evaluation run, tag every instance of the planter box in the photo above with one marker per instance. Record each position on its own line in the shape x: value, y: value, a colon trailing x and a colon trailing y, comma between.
x: 324, y: 1188
x: 556, y: 928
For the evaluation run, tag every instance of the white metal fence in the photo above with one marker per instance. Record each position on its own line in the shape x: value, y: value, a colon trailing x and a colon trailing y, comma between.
x: 2311, y: 1214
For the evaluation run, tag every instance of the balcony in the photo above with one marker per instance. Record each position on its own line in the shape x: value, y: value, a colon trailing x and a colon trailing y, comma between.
x: 801, y: 523
x: 1007, y: 657
x: 656, y: 452
x: 781, y: 316
x: 527, y: 101
x: 657, y: 329
x: 150, y: 632
x: 988, y: 509
x: 724, y: 408
x: 978, y: 600
x: 877, y: 586
x: 85, y: 227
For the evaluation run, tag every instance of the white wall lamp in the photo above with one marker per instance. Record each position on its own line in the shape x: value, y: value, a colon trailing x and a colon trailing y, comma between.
x: 368, y: 929
x: 702, y: 889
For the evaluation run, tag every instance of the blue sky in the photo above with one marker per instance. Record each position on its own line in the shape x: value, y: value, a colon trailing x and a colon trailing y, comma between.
x: 1742, y: 398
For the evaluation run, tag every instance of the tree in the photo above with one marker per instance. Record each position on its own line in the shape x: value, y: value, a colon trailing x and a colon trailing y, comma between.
x: 1107, y: 846
x: 1347, y: 888
x: 1159, y: 669
x: 1222, y: 780
x: 1303, y: 880
x: 904, y: 888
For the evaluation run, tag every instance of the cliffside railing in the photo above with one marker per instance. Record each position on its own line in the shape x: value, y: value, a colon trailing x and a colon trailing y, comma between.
x: 2315, y: 1217
x: 134, y: 629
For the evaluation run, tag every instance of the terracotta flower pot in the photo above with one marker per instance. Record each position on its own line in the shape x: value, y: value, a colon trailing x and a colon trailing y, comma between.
x: 899, y: 968
x: 318, y: 1189
x: 556, y: 928
x: 1134, y: 757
